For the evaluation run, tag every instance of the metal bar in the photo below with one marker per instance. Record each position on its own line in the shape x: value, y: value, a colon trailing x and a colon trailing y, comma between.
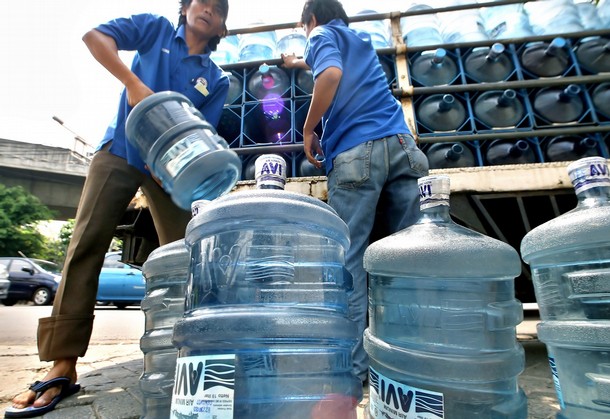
x: 503, y: 85
x: 545, y: 132
x: 275, y: 148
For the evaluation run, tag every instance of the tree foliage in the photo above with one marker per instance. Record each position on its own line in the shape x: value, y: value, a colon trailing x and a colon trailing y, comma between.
x: 19, y: 213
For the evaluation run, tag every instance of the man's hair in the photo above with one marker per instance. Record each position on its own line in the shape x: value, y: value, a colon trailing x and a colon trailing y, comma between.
x: 224, y: 4
x: 324, y: 11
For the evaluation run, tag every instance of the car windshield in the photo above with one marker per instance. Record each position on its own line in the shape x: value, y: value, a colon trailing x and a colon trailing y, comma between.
x: 48, y: 266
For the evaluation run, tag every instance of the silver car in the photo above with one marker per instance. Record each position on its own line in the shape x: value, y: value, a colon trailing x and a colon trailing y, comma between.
x: 4, y: 282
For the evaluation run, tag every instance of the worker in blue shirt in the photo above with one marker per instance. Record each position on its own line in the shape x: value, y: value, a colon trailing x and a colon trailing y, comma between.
x: 372, y: 161
x: 166, y: 59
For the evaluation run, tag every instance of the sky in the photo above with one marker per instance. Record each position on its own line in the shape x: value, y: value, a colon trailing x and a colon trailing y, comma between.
x: 47, y: 71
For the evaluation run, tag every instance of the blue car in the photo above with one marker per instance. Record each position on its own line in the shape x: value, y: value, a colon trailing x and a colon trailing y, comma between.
x: 120, y: 284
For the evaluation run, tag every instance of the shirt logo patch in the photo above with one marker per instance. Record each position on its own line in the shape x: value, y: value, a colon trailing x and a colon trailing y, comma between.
x: 165, y: 50
x: 201, y: 85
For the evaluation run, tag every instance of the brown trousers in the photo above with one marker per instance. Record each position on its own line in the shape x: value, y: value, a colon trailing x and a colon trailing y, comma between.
x: 109, y: 188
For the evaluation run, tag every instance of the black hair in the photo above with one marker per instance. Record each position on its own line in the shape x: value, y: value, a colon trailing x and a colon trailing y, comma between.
x: 324, y: 11
x: 224, y: 5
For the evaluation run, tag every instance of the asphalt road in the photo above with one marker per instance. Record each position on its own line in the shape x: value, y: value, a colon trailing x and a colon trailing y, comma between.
x: 19, y: 324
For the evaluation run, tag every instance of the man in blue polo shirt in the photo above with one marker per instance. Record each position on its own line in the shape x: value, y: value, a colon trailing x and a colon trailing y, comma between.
x: 167, y: 59
x: 372, y: 162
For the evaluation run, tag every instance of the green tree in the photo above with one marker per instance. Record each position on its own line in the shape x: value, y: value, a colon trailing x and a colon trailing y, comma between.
x: 19, y: 213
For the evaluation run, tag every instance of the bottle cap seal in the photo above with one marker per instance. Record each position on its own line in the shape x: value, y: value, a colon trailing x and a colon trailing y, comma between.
x: 270, y: 171
x: 433, y: 191
x: 590, y: 172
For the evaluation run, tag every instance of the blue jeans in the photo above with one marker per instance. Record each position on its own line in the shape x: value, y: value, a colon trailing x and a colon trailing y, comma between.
x: 374, y: 179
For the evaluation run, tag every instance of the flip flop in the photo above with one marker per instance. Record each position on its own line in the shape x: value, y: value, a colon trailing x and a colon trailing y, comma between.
x: 39, y: 387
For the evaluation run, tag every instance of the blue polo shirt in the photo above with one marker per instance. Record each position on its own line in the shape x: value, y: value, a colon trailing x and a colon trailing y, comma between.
x: 163, y: 63
x: 364, y: 108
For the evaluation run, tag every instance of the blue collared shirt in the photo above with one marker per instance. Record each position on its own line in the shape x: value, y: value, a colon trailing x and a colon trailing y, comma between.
x: 363, y: 108
x: 163, y: 63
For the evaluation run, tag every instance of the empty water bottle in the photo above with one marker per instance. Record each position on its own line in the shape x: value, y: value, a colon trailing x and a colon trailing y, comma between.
x: 304, y: 80
x: 499, y: 109
x: 181, y: 148
x: 569, y: 258
x: 291, y: 41
x: 434, y: 67
x: 449, y: 155
x: 549, y: 17
x: 268, y: 82
x: 593, y: 54
x: 560, y: 104
x: 229, y: 126
x: 441, y: 112
x: 258, y: 46
x: 269, y: 121
x: 421, y: 30
x: 570, y: 147
x: 227, y: 51
x: 442, y: 305
x: 270, y: 172
x: 166, y: 272
x: 509, y: 152
x: 378, y: 30
x: 264, y: 264
x: 601, y: 99
x: 546, y: 59
x: 506, y: 22
x: 462, y: 25
x: 489, y: 64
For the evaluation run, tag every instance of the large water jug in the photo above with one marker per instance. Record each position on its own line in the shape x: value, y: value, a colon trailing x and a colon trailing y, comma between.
x: 268, y: 82
x: 559, y: 104
x: 257, y: 46
x: 569, y: 258
x: 603, y: 9
x: 570, y: 147
x: 269, y: 122
x: 509, y: 152
x: 304, y: 80
x: 181, y: 148
x: 229, y: 126
x: 227, y: 51
x: 236, y: 88
x: 166, y: 272
x: 544, y: 59
x: 291, y: 41
x: 266, y: 325
x: 593, y: 54
x: 449, y: 155
x: 589, y: 15
x: 434, y: 67
x: 506, y: 22
x: 549, y: 17
x: 499, y: 108
x: 442, y: 318
x: 378, y: 30
x: 601, y: 99
x: 489, y: 64
x: 462, y: 25
x: 441, y: 112
x: 421, y: 30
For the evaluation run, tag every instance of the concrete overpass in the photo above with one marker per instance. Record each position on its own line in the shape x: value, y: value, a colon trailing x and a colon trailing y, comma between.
x: 55, y: 175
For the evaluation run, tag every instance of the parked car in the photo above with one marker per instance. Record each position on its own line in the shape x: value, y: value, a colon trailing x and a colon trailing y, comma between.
x: 119, y: 283
x: 29, y: 281
x: 4, y: 282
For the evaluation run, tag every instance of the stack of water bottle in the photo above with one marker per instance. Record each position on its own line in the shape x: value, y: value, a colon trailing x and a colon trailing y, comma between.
x: 265, y: 332
x: 569, y: 258
x: 442, y: 319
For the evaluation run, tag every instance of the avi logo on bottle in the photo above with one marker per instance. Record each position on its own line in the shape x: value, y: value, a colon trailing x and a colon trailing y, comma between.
x: 270, y: 172
x: 392, y: 399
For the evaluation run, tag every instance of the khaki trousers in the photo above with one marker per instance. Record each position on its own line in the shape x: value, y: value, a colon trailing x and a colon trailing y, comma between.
x: 109, y: 188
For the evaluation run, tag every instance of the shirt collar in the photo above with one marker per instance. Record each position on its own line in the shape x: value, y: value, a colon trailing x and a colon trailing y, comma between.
x: 205, y: 57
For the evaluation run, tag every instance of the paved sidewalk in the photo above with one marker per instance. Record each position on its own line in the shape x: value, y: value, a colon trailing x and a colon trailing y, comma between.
x: 110, y: 374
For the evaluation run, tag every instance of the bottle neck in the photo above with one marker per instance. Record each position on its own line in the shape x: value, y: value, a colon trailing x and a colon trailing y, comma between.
x: 593, y: 197
x: 266, y: 186
x: 439, y: 213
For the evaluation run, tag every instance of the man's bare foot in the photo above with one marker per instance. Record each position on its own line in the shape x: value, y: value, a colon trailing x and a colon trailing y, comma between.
x: 61, y: 368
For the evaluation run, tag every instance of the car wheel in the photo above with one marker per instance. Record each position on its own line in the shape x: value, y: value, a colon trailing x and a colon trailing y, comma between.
x: 8, y: 302
x: 41, y: 297
x: 121, y: 306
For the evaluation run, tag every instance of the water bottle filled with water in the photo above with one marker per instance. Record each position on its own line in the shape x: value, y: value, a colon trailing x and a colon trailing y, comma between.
x: 462, y: 25
x: 442, y: 305
x: 569, y: 257
x: 441, y: 112
x: 593, y: 54
x: 544, y: 59
x: 559, y: 104
x: 570, y: 148
x: 506, y: 21
x: 268, y: 82
x: 551, y: 17
x: 264, y: 264
x: 257, y: 46
x: 489, y: 64
x: 227, y: 51
x: 449, y: 155
x: 378, y: 30
x: 502, y: 152
x: 499, y: 108
x: 433, y: 67
x: 421, y: 30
